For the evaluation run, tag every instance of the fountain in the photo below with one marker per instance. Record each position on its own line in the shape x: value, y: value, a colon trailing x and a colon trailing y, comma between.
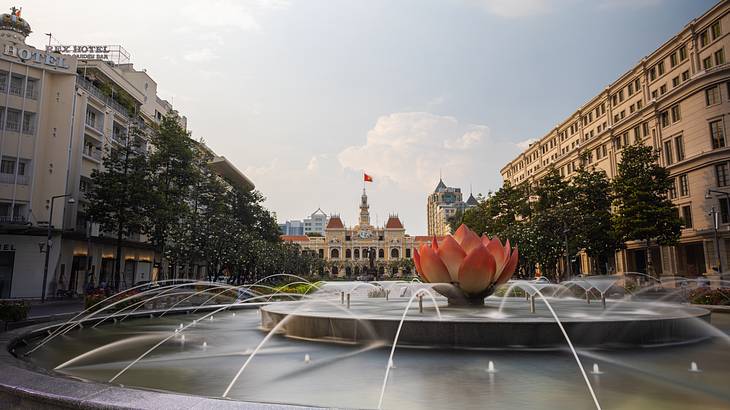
x: 259, y: 347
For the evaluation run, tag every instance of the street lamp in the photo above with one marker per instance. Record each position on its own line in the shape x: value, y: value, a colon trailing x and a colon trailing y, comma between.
x: 715, y: 225
x: 48, y: 242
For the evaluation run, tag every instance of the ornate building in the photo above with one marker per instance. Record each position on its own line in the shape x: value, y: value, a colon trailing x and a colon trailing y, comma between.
x: 443, y: 204
x: 347, y: 250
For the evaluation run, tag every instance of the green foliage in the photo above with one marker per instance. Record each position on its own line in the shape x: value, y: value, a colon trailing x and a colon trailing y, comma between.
x: 13, y: 310
x: 707, y: 296
x: 642, y: 210
x: 118, y: 194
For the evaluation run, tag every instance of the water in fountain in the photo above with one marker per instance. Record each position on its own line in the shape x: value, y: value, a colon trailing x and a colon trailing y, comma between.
x: 359, y: 345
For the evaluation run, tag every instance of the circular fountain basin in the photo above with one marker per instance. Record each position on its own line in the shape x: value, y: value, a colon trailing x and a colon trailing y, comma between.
x: 621, y: 324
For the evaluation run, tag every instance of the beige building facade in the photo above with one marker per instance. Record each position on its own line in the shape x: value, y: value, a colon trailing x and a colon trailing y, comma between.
x: 58, y: 115
x: 677, y: 100
x: 443, y: 204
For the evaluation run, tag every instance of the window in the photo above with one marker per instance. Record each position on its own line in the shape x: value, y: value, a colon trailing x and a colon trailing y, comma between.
x: 631, y: 89
x: 704, y: 38
x: 638, y: 105
x: 675, y: 81
x: 28, y: 123
x: 724, y: 210
x: 7, y: 166
x: 683, y: 185
x: 719, y: 57
x: 676, y: 115
x: 673, y: 189
x: 646, y: 129
x: 637, y: 85
x: 717, y: 134
x: 637, y: 133
x: 660, y: 68
x: 3, y: 81
x: 16, y: 85
x: 664, y: 118
x: 12, y: 122
x: 682, y: 53
x: 712, y: 95
x: 31, y: 89
x: 716, y: 31
x: 721, y: 174
x: 687, y: 216
x: 707, y: 63
x: 685, y: 75
x: 673, y: 60
x: 652, y: 74
x: 679, y: 147
x: 91, y: 118
x: 668, y: 153
x: 663, y: 89
x: 654, y: 94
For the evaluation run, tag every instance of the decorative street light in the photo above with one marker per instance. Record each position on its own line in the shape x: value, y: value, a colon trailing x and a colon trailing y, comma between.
x: 716, y: 224
x: 48, y: 242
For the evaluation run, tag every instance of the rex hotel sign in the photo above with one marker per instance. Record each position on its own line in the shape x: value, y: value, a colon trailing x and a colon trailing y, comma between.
x: 35, y: 56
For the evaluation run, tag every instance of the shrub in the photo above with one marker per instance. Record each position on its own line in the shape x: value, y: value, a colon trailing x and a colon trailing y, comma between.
x: 13, y: 310
x: 707, y: 296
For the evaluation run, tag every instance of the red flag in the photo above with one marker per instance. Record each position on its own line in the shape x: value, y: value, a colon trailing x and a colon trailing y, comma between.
x: 367, y: 178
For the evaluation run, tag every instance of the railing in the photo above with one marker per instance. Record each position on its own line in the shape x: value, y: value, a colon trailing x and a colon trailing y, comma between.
x: 93, y: 152
x: 7, y: 219
x: 10, y: 179
x: 93, y: 90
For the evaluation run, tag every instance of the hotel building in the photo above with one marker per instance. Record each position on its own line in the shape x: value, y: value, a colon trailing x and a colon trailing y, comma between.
x: 58, y: 114
x: 677, y: 100
x: 442, y: 205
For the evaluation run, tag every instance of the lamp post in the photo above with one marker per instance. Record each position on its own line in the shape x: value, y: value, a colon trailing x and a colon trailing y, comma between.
x: 715, y: 225
x: 48, y: 243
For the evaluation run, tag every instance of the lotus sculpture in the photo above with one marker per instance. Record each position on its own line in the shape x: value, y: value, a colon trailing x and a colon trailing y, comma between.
x: 466, y: 268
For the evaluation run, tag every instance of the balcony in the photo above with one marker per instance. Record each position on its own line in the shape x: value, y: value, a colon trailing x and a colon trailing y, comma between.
x: 17, y: 219
x: 11, y: 179
x: 92, y: 152
x: 98, y: 94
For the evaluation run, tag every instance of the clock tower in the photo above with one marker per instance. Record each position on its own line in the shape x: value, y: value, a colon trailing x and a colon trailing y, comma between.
x: 364, y: 210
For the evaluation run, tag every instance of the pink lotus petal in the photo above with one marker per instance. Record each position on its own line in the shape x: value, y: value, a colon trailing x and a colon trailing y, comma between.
x: 509, y: 268
x: 460, y: 233
x: 417, y: 262
x: 470, y: 241
x: 452, y: 255
x: 485, y: 239
x: 497, y: 250
x: 434, y: 244
x: 476, y: 271
x: 433, y: 268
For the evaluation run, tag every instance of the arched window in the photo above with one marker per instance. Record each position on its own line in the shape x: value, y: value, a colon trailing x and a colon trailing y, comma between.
x: 394, y: 253
x: 381, y: 253
x: 335, y: 253
x: 348, y: 254
x: 357, y: 253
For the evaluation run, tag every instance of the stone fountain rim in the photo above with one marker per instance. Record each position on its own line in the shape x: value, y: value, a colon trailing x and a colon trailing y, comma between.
x: 26, y: 384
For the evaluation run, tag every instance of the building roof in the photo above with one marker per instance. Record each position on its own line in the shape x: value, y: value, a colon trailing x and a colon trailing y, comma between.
x: 394, y: 223
x: 335, y: 223
x: 472, y: 200
x: 227, y: 170
x: 441, y: 186
x: 295, y: 238
x: 319, y: 211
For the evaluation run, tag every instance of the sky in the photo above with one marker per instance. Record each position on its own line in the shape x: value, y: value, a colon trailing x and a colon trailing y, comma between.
x: 303, y: 96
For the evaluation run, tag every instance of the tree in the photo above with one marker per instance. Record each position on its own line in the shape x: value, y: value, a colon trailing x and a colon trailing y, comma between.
x: 118, y: 193
x: 172, y: 177
x: 642, y: 210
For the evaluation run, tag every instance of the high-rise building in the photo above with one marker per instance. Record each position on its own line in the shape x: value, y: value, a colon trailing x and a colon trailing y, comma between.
x: 57, y: 116
x: 442, y: 205
x: 316, y: 223
x: 677, y: 100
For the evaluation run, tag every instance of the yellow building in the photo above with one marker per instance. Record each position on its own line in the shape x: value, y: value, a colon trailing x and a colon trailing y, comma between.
x: 443, y: 204
x: 346, y: 249
x: 677, y: 100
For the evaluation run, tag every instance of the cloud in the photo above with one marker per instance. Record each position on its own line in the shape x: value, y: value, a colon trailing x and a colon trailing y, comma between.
x: 514, y: 8
x: 201, y: 55
x: 238, y: 15
x: 313, y: 164
x: 409, y: 148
